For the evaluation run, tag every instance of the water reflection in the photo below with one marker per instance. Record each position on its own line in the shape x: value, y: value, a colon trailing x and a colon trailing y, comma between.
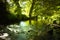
x: 22, y: 23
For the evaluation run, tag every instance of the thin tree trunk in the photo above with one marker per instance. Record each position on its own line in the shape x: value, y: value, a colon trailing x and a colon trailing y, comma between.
x: 31, y: 9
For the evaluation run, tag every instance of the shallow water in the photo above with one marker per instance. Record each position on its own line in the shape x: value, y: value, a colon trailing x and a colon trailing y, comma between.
x: 21, y: 29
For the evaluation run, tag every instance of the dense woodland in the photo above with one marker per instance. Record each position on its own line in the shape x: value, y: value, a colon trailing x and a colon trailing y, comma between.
x: 43, y: 17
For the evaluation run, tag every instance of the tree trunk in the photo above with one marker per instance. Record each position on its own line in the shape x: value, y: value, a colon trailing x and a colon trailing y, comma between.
x: 31, y: 9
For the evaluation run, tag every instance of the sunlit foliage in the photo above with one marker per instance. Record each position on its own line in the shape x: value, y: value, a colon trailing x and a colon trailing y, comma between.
x: 40, y: 15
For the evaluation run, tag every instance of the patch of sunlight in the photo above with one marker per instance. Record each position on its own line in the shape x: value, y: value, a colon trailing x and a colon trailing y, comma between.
x: 39, y: 18
x: 27, y: 29
x: 43, y: 18
x: 27, y: 23
x: 54, y: 11
x: 12, y: 8
x: 8, y: 1
x: 27, y: 11
x: 23, y: 13
x: 14, y: 25
x: 4, y: 36
x: 58, y: 6
x: 22, y: 23
x: 15, y: 31
x: 23, y: 4
x: 15, y: 28
x: 11, y: 25
x: 25, y: 26
x: 33, y: 22
x: 10, y: 29
x: 54, y: 17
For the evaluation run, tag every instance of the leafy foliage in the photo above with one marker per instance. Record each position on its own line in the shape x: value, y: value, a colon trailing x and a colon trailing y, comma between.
x: 42, y: 12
